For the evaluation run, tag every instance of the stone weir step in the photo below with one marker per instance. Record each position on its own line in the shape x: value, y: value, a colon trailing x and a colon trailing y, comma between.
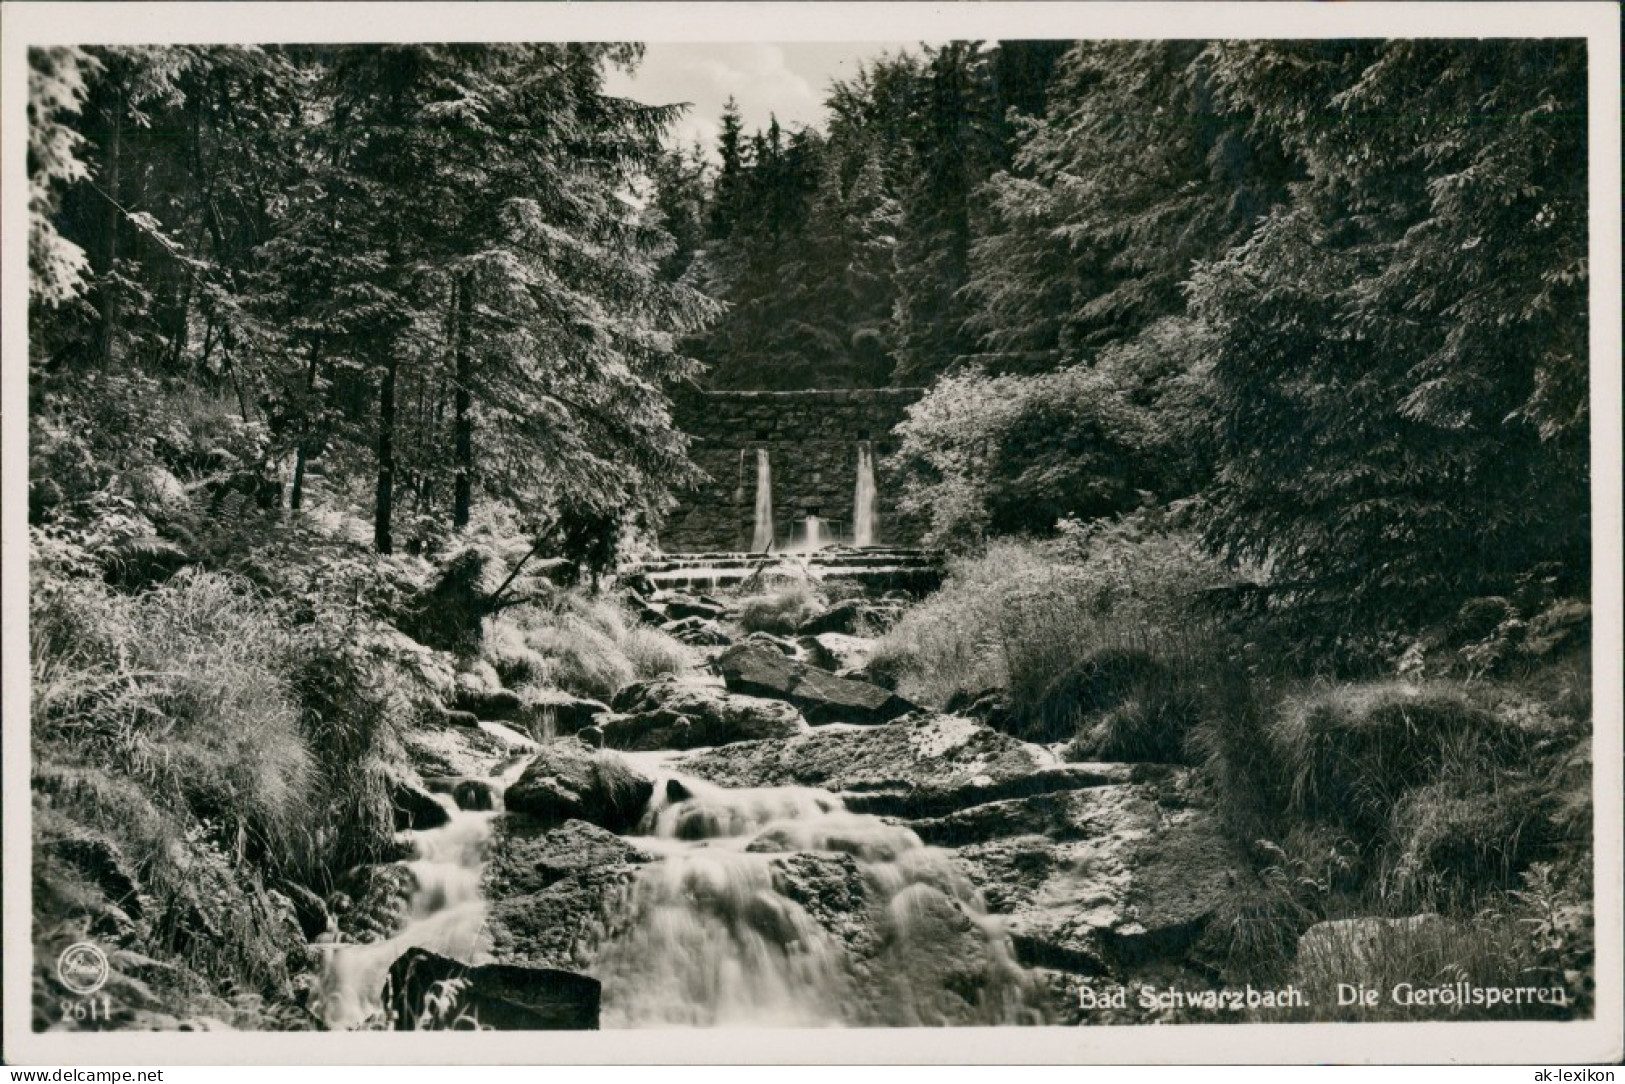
x: 894, y: 569
x: 836, y: 559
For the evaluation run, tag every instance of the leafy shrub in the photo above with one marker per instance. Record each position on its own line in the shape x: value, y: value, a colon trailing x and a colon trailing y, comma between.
x: 219, y: 747
x: 201, y: 878
x: 987, y: 456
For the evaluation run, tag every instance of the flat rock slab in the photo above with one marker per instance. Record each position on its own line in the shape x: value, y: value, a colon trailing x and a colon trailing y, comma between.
x: 1100, y: 881
x: 498, y: 997
x: 938, y: 799
x: 681, y: 606
x: 455, y: 751
x: 525, y: 861
x: 822, y: 697
x: 923, y: 751
x: 1060, y: 814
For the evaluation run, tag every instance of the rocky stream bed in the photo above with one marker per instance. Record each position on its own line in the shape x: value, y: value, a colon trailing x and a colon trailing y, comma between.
x: 765, y: 840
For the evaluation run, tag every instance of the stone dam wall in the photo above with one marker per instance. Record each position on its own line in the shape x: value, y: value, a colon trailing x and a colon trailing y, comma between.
x: 812, y: 440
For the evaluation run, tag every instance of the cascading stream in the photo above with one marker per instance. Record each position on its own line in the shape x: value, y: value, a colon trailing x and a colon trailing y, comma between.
x: 719, y: 932
x: 766, y: 906
x: 446, y: 910
x: 863, y: 504
x: 762, y: 538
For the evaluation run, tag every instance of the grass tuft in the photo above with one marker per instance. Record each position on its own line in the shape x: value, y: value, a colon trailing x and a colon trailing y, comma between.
x: 582, y: 644
x: 1351, y: 751
x: 780, y: 611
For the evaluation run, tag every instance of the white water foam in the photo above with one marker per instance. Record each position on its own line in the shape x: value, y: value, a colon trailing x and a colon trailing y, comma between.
x: 715, y: 934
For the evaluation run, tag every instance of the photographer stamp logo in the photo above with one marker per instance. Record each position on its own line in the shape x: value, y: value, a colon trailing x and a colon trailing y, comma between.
x: 82, y: 967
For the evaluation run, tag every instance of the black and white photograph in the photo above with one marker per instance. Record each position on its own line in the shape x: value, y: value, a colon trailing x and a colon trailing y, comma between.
x: 1084, y: 530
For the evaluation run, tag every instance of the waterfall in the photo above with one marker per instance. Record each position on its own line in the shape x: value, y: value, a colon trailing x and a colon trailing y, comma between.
x: 763, y: 538
x: 446, y: 909
x: 718, y: 931
x: 863, y: 510
x: 815, y: 533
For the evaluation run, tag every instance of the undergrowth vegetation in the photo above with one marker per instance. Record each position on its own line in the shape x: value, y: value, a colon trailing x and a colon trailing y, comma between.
x: 1449, y: 789
x: 199, y: 758
x: 1071, y: 628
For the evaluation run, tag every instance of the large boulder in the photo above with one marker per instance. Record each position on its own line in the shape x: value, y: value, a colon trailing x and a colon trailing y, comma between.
x: 853, y: 616
x: 681, y: 606
x: 415, y: 807
x: 487, y: 703
x: 837, y: 652
x: 497, y: 997
x: 551, y: 894
x: 568, y: 780
x: 554, y: 711
x: 821, y: 696
x: 669, y: 713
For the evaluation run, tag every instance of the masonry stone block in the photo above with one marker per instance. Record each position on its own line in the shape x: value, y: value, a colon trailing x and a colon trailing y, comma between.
x: 812, y: 439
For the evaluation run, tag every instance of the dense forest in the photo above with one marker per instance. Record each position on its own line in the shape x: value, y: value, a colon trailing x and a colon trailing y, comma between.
x: 1318, y: 289
x: 1255, y: 382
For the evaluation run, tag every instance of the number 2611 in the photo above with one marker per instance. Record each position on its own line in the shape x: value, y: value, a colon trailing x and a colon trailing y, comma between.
x: 88, y: 1008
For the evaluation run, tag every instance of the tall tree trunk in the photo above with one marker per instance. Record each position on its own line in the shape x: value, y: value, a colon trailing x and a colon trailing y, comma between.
x: 108, y: 301
x: 463, y: 420
x: 296, y: 499
x: 384, y: 506
x: 177, y: 341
